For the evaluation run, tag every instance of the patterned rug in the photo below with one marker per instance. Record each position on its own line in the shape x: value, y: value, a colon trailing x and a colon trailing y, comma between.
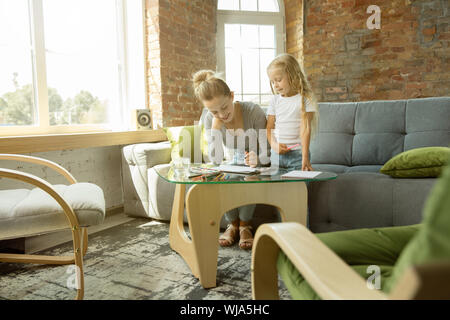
x: 132, y: 261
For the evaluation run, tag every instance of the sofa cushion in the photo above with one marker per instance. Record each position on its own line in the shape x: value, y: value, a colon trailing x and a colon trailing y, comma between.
x: 432, y: 241
x: 366, y: 200
x: 333, y: 143
x: 427, y: 123
x: 417, y: 163
x: 368, y: 168
x: 376, y: 148
x: 336, y: 168
x: 379, y: 131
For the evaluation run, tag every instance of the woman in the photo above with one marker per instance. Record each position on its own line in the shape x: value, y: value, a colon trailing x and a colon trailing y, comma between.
x: 240, y: 126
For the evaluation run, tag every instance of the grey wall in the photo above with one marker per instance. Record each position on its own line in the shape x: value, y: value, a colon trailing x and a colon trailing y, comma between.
x: 101, y: 166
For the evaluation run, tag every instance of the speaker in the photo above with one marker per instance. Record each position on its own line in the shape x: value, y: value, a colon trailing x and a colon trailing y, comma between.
x: 142, y: 119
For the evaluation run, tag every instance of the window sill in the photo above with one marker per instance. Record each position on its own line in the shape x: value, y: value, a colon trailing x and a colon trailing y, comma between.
x: 52, y: 142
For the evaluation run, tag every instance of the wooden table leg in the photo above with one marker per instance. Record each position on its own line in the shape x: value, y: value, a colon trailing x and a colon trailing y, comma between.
x: 178, y: 239
x: 206, y: 204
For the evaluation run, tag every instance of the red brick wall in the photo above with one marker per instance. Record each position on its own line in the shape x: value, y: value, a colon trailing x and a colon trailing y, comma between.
x: 294, y: 27
x: 181, y: 40
x: 345, y: 61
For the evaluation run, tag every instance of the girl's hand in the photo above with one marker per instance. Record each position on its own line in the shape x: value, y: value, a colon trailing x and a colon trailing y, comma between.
x: 306, y: 165
x: 280, y: 148
x: 251, y: 159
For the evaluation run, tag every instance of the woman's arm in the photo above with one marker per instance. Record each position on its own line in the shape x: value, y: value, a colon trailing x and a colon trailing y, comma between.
x: 216, y: 124
x: 215, y: 139
x: 258, y: 154
x: 305, y: 137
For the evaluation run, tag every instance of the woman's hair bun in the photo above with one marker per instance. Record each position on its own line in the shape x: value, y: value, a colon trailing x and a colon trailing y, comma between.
x: 207, y: 85
x: 201, y: 76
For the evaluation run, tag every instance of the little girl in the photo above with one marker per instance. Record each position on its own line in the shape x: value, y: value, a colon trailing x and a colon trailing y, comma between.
x: 292, y: 114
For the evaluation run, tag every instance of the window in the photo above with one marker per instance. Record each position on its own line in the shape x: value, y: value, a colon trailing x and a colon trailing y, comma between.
x: 250, y: 34
x: 70, y: 65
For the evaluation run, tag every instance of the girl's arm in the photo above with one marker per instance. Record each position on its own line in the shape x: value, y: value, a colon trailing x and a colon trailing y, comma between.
x: 305, y: 137
x: 279, y: 148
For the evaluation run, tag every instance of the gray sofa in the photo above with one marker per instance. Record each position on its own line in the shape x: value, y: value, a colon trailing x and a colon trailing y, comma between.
x: 354, y: 140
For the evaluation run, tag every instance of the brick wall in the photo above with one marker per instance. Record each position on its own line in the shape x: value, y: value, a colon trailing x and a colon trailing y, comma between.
x: 345, y: 61
x: 294, y: 27
x: 181, y: 38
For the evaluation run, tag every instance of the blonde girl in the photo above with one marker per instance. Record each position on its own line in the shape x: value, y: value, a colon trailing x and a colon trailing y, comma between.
x: 292, y: 114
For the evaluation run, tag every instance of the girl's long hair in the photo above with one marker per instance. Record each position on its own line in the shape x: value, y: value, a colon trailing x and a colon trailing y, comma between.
x: 298, y: 82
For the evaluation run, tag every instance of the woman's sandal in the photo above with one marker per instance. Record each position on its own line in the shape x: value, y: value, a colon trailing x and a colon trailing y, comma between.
x: 230, y: 236
x: 245, y: 243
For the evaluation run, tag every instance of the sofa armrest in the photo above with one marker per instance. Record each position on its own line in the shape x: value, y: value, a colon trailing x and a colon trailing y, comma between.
x: 137, y: 162
x: 147, y: 154
x: 327, y: 274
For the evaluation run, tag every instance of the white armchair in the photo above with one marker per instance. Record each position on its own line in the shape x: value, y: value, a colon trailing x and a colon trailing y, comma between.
x: 48, y: 208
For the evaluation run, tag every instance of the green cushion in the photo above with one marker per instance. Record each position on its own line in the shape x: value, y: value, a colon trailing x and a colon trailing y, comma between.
x: 417, y: 163
x: 204, y: 145
x: 359, y: 248
x: 187, y: 141
x: 299, y: 288
x: 432, y: 242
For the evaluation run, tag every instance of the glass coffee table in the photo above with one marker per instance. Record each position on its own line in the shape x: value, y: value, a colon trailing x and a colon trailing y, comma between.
x: 207, y: 200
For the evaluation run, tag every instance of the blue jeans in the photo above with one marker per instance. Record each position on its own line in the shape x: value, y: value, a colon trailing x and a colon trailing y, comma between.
x: 244, y: 213
x: 290, y: 161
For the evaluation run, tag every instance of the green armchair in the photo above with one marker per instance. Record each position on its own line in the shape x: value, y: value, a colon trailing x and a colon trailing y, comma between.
x: 407, y: 262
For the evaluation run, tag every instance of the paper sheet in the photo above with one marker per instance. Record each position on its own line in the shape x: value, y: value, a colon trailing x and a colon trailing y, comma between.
x: 301, y: 174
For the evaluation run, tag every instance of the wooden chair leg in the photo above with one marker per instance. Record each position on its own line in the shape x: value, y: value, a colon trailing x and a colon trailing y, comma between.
x: 80, y: 241
x: 84, y: 236
x: 78, y: 235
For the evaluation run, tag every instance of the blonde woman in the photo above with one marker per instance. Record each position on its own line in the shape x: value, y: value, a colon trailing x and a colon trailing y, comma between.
x: 232, y: 120
x: 292, y: 115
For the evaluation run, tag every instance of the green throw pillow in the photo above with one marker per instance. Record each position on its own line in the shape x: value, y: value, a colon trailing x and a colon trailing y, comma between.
x: 432, y: 241
x: 417, y: 163
x: 187, y: 141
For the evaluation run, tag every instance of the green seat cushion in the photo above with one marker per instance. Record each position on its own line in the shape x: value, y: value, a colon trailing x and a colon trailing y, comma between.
x: 299, y: 288
x: 187, y: 141
x: 360, y: 248
x: 417, y: 163
x: 432, y: 241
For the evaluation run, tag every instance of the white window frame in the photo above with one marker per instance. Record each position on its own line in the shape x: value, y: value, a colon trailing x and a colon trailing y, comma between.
x: 249, y: 17
x: 41, y: 119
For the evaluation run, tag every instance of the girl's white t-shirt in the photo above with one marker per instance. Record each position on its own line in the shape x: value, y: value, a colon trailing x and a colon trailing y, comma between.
x: 287, y: 112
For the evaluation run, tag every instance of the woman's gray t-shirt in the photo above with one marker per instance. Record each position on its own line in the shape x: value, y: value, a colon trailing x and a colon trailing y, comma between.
x: 252, y: 137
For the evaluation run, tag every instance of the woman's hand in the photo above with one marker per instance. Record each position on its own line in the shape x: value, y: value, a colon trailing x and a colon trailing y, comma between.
x: 251, y: 159
x: 306, y: 165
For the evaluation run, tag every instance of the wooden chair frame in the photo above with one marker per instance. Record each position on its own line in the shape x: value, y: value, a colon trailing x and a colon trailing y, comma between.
x: 79, y: 235
x: 328, y: 274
